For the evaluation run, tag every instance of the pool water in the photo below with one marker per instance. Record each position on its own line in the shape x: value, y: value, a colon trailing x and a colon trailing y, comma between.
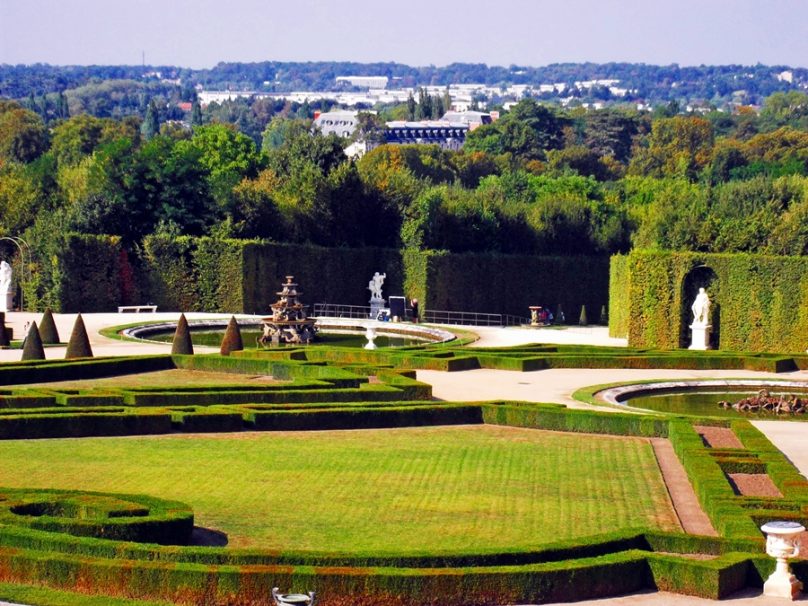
x: 705, y: 403
x: 213, y: 338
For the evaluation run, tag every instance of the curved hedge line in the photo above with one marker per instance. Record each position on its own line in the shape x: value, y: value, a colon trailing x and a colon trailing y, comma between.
x: 51, y: 547
x: 600, y: 566
x: 760, y: 303
x: 115, y: 517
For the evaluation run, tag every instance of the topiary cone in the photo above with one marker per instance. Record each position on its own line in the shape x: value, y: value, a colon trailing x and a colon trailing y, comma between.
x: 47, y: 328
x: 582, y: 320
x: 232, y: 338
x: 182, y: 338
x: 32, y: 348
x: 79, y: 344
x: 4, y: 342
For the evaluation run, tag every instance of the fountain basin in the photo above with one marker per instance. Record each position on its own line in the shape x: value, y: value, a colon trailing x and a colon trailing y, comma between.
x: 700, y: 398
x: 332, y: 330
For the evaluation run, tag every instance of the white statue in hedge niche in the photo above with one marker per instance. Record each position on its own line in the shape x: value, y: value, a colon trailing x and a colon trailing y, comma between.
x: 701, y: 308
x: 6, y: 294
x: 700, y: 328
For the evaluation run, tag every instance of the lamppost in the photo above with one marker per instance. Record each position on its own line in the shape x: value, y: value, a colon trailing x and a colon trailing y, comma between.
x: 19, y: 242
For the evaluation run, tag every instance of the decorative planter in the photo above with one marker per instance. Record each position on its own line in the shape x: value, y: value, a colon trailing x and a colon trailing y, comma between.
x: 292, y: 599
x: 781, y: 544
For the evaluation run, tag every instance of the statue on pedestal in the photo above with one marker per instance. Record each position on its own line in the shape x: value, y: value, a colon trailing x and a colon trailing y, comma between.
x: 375, y: 286
x: 6, y: 294
x: 376, y: 299
x: 701, y: 326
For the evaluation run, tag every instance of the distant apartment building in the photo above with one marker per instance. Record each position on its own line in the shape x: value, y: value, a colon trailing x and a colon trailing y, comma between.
x: 341, y: 123
x: 448, y: 135
x: 472, y: 118
x: 368, y: 82
x: 449, y: 132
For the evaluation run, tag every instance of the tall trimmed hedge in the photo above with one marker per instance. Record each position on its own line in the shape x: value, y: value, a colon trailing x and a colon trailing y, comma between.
x: 507, y: 284
x: 619, y: 283
x: 94, y: 273
x: 333, y: 275
x: 171, y: 277
x: 759, y: 303
x: 84, y: 273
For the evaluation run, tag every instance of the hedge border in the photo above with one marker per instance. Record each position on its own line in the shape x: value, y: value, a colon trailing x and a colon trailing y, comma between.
x: 593, y: 567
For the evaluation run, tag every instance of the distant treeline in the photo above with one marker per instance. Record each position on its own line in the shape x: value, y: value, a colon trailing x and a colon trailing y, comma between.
x: 653, y: 84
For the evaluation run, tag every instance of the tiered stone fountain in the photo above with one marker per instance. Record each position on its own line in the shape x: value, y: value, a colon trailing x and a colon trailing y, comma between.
x: 288, y: 323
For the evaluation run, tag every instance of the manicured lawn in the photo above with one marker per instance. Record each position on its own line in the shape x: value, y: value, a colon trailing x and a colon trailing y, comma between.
x: 177, y: 377
x: 43, y: 596
x: 437, y: 489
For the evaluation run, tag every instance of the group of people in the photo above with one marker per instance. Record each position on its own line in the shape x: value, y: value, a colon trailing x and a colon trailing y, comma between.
x: 542, y: 316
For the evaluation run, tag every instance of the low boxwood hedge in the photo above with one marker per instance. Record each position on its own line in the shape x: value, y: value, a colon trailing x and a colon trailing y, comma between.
x: 101, y: 515
x: 330, y: 391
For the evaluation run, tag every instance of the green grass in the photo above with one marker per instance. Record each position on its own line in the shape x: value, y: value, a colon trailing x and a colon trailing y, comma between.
x: 386, y: 491
x: 177, y: 377
x: 43, y: 596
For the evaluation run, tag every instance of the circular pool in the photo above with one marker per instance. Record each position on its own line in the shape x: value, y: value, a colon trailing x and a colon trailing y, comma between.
x: 703, y: 398
x: 340, y: 332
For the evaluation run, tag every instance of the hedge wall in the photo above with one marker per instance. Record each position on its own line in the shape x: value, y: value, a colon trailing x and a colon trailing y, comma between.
x: 333, y: 275
x: 509, y: 284
x: 94, y: 273
x: 619, y: 285
x: 84, y: 274
x: 759, y: 303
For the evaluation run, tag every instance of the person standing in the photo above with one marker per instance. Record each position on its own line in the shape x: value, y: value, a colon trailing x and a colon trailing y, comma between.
x: 414, y: 306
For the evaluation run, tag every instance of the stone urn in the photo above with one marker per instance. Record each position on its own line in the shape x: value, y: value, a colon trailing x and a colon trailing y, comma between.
x: 781, y: 544
x: 292, y: 599
x: 370, y: 335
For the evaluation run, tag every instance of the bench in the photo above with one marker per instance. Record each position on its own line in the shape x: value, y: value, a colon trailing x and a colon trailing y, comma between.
x: 137, y: 308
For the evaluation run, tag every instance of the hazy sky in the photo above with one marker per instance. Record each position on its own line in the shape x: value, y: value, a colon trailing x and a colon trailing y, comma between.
x: 200, y: 33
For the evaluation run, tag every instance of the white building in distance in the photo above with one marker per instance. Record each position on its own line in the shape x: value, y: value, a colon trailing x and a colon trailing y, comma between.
x: 364, y: 81
x: 339, y: 122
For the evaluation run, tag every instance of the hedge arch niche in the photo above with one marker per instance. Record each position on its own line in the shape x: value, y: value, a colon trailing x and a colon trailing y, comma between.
x: 701, y: 276
x: 760, y: 302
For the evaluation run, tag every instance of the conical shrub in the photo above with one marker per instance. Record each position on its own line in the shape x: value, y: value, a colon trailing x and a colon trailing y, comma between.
x: 182, y: 338
x: 4, y: 342
x: 232, y: 338
x: 604, y: 316
x: 47, y: 328
x: 582, y: 319
x: 559, y: 315
x: 32, y: 348
x: 79, y: 344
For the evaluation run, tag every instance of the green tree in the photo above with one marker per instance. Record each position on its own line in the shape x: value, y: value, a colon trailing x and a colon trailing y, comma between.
x: 79, y: 136
x: 677, y: 147
x: 23, y: 136
x: 226, y: 154
x: 610, y: 132
x: 151, y: 123
x: 785, y: 109
x: 526, y: 133
x: 196, y: 113
x: 411, y: 107
x: 254, y: 211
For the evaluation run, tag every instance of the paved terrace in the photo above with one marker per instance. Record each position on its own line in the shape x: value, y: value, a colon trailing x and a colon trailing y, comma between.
x: 552, y: 385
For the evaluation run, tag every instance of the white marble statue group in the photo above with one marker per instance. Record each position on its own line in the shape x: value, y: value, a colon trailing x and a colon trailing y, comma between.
x: 375, y: 286
x: 701, y: 308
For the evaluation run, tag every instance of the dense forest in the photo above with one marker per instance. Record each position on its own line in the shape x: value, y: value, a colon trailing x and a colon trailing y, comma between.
x: 538, y: 180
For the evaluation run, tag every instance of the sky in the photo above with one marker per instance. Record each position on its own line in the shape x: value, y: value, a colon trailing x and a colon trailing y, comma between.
x: 202, y: 33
